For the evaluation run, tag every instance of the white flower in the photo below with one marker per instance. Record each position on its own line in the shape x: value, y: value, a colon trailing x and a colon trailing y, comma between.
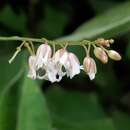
x: 32, y: 67
x: 43, y: 54
x: 90, y: 67
x: 43, y: 66
x: 72, y: 65
x: 61, y: 56
x: 53, y: 72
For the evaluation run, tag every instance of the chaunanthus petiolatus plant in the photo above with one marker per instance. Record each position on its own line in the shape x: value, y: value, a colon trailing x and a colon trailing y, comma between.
x: 51, y: 64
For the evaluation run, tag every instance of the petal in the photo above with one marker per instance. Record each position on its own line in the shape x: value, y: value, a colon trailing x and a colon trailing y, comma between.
x: 32, y: 67
x: 91, y: 75
x: 72, y: 66
x: 61, y: 56
x: 43, y: 53
x: 90, y: 67
x: 53, y: 71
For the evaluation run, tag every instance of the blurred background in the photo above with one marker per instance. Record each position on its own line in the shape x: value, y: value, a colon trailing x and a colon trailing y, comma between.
x: 76, y: 104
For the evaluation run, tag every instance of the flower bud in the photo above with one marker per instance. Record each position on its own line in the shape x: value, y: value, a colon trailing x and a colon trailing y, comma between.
x: 103, y: 42
x: 43, y: 54
x: 114, y: 55
x: 111, y: 41
x: 90, y: 67
x: 101, y: 55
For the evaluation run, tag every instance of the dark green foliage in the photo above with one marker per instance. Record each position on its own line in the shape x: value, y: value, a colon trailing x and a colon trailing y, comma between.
x: 77, y: 104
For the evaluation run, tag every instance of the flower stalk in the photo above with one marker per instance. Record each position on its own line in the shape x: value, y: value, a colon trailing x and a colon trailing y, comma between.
x: 43, y: 40
x: 51, y: 64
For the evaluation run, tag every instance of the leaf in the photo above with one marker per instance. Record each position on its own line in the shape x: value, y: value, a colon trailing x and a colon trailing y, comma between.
x: 33, y: 113
x: 77, y: 111
x: 8, y: 106
x: 103, y: 4
x: 121, y: 120
x: 53, y: 24
x: 10, y: 73
x: 107, y: 80
x: 128, y: 50
x: 109, y: 24
x: 10, y: 19
x: 9, y: 87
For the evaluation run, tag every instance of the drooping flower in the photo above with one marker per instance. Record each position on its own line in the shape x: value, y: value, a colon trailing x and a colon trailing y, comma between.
x: 72, y: 66
x: 53, y: 71
x: 61, y: 56
x: 53, y: 66
x: 43, y: 53
x: 90, y: 67
x: 101, y: 55
x: 114, y: 55
x: 32, y: 67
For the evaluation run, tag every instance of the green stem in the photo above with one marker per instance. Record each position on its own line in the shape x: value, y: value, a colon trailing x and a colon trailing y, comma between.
x: 89, y: 46
x: 42, y: 40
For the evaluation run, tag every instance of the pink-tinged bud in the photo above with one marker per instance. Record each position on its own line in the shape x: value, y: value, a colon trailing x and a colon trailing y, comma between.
x: 101, y: 55
x: 44, y: 52
x: 90, y: 67
x: 72, y: 66
x: 114, y: 55
x: 32, y: 67
x: 61, y: 56
x: 103, y: 42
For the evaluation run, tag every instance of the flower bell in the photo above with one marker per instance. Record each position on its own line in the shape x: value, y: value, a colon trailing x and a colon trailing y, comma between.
x: 52, y: 68
x: 43, y: 53
x: 61, y: 56
x: 101, y: 55
x: 32, y: 67
x: 114, y: 55
x: 72, y: 66
x: 53, y: 72
x: 90, y: 67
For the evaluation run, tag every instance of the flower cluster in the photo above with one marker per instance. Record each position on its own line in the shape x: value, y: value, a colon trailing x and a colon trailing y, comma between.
x: 52, y: 66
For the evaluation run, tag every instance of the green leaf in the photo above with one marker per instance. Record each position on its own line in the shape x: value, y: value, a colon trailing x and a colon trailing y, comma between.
x: 121, y: 120
x: 10, y: 19
x: 107, y: 80
x: 77, y: 111
x: 33, y: 113
x: 9, y: 88
x: 102, y: 5
x: 109, y: 24
x: 128, y: 49
x: 10, y: 73
x: 8, y: 106
x: 54, y: 23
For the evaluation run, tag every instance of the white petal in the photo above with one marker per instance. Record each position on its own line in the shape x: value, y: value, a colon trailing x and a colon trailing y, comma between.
x: 53, y: 71
x: 72, y: 66
x: 43, y: 53
x: 61, y: 56
x: 90, y: 67
x: 32, y: 67
x: 91, y: 76
x: 64, y: 58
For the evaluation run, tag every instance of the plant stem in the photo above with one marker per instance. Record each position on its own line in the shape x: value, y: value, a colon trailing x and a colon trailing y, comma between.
x: 42, y: 40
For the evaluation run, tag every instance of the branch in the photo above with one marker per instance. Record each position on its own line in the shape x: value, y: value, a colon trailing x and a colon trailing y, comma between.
x: 41, y: 40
